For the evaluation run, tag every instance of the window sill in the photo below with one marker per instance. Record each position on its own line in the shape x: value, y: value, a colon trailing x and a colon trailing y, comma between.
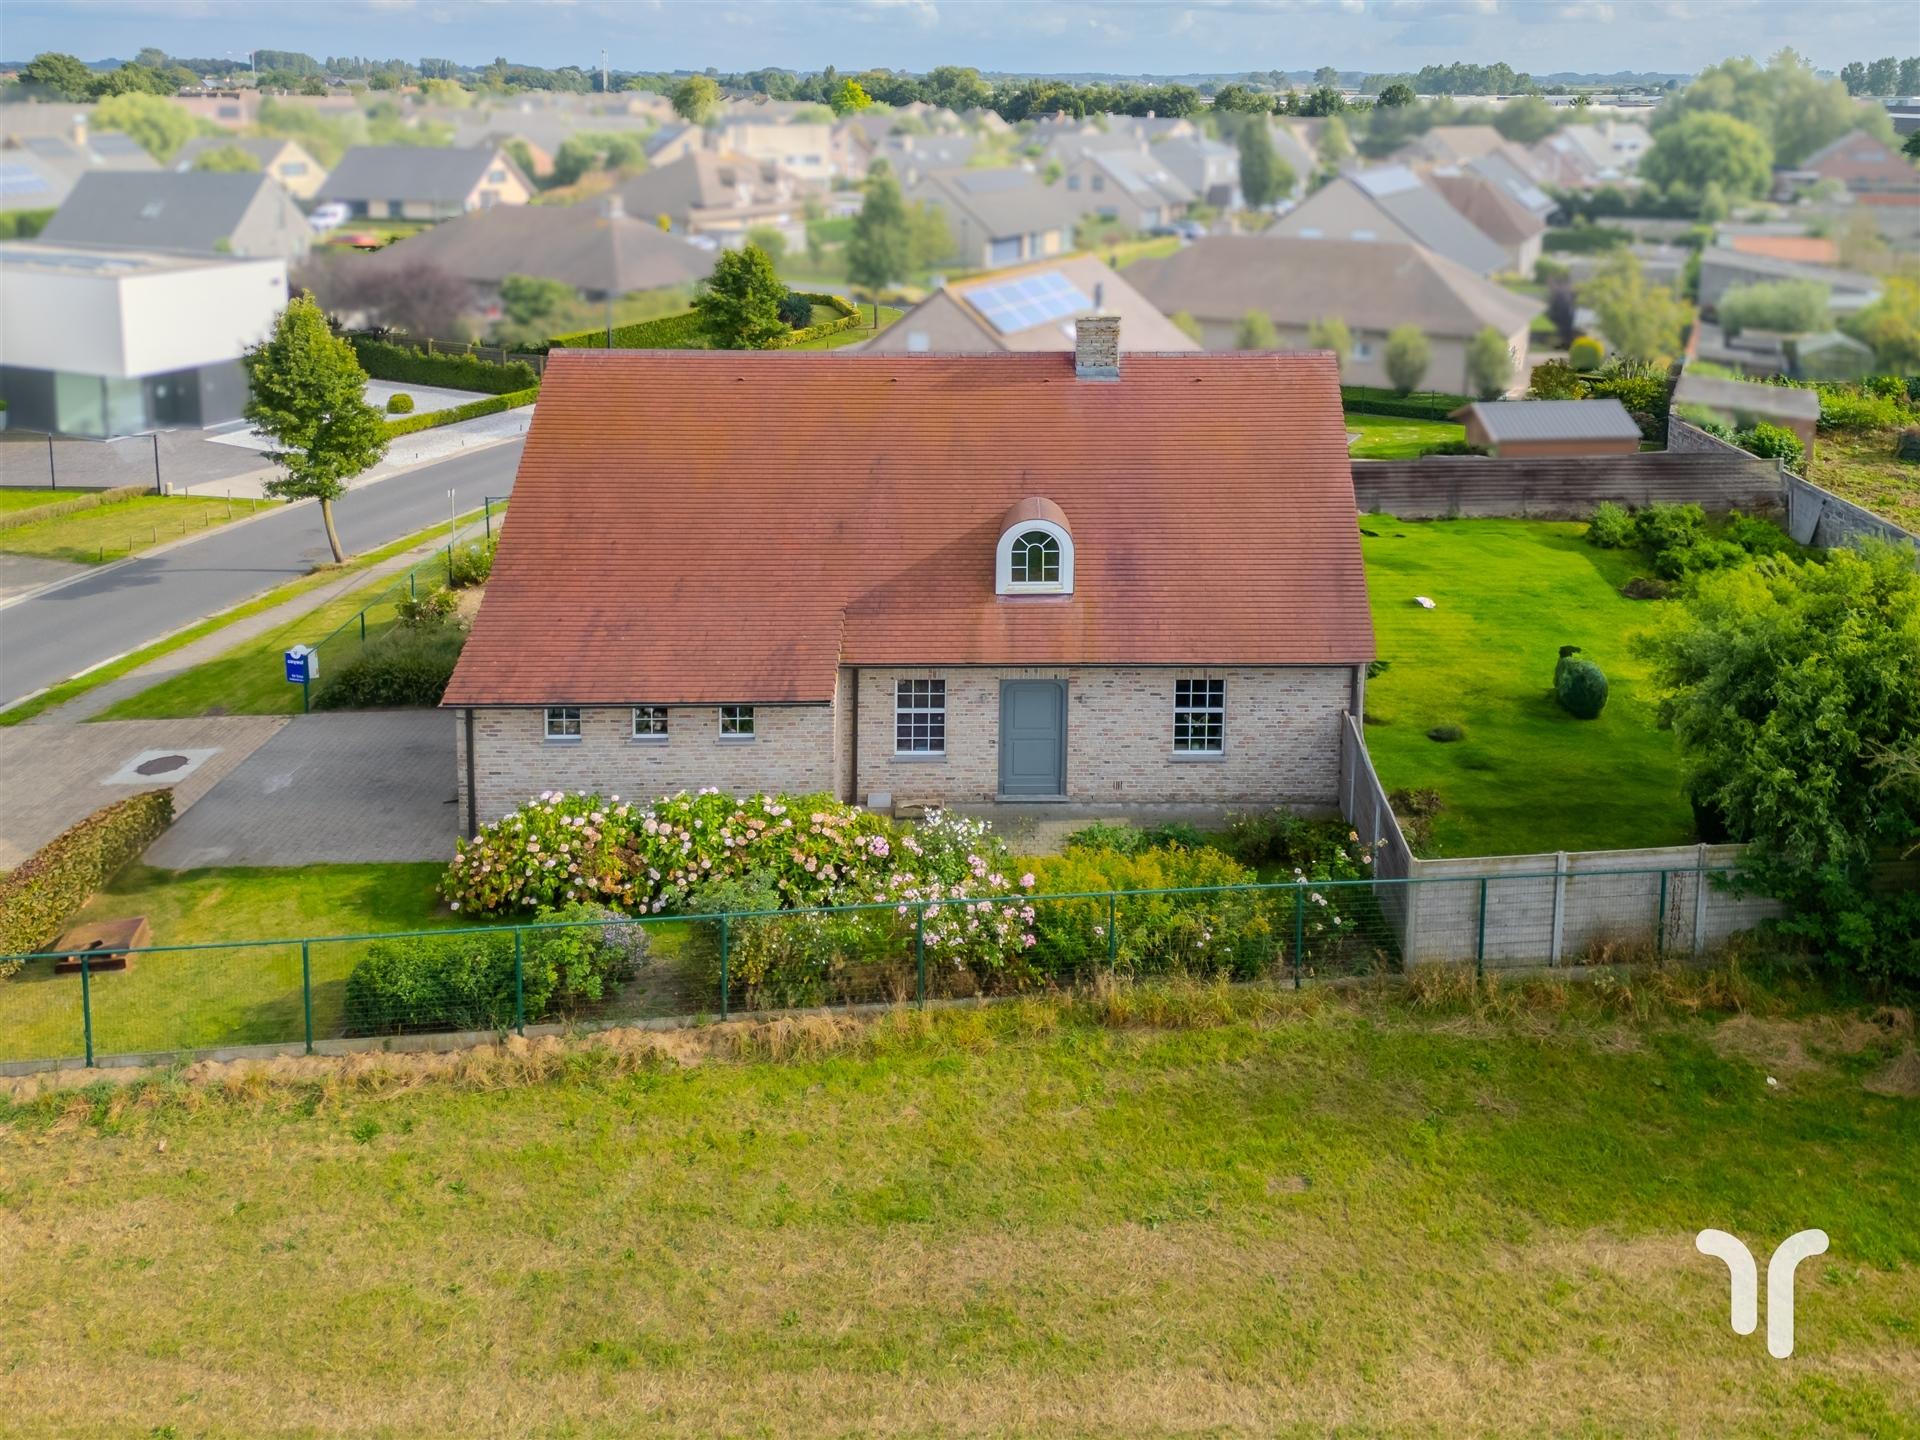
x: 735, y: 740
x: 646, y: 739
x: 918, y: 757
x: 564, y: 739
x: 1198, y: 757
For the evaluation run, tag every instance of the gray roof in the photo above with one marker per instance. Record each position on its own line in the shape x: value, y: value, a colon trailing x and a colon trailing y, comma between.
x: 1371, y: 284
x: 1143, y: 176
x: 1003, y: 202
x: 408, y: 172
x: 193, y: 210
x: 264, y: 148
x: 581, y: 245
x: 1423, y: 213
x: 1506, y: 420
x: 1751, y: 267
x: 1718, y: 394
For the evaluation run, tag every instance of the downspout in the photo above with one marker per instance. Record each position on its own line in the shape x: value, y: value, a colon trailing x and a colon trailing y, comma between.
x: 1357, y: 699
x: 853, y: 780
x: 473, y: 799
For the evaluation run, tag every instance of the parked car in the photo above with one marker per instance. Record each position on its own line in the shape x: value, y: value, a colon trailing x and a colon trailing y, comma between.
x: 327, y: 216
x: 1185, y: 229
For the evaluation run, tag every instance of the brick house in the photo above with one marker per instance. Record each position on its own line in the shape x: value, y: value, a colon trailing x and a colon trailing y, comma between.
x: 948, y: 579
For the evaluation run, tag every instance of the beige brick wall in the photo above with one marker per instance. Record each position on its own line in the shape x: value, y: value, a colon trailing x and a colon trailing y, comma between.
x: 1282, y: 741
x: 793, y: 750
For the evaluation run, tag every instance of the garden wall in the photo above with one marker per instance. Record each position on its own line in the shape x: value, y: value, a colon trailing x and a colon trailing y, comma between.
x: 1819, y: 517
x: 1439, y: 487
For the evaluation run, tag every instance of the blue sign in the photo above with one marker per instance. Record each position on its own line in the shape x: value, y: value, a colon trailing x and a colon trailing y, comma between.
x: 303, y: 664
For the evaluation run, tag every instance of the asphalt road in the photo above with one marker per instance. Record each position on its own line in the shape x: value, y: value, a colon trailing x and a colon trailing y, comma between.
x: 49, y: 637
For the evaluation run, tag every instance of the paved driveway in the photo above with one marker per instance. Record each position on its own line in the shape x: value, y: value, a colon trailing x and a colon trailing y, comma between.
x: 333, y: 788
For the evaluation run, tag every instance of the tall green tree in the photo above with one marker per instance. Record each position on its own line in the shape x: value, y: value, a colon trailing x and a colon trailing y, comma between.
x: 1395, y: 96
x: 1526, y: 119
x: 1642, y: 320
x: 1331, y: 333
x: 695, y: 98
x: 739, y: 304
x: 158, y: 126
x: 1264, y: 176
x: 880, y: 247
x: 1489, y: 364
x: 1256, y: 332
x: 308, y: 395
x: 1701, y: 150
x: 63, y: 76
x: 1797, y: 110
x: 1407, y: 357
x: 227, y: 160
x: 534, y: 308
x: 849, y: 97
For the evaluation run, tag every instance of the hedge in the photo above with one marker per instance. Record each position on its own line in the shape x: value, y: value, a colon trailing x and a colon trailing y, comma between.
x: 492, y: 405
x: 1429, y: 405
x: 400, y: 669
x: 404, y: 365
x: 93, y: 499
x: 42, y: 895
x: 682, y: 331
x: 23, y: 224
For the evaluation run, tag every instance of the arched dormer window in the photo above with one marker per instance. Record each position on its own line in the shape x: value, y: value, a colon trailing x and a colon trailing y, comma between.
x: 1035, y: 554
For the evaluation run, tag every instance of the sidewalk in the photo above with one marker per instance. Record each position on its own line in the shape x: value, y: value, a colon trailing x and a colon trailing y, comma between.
x: 404, y: 453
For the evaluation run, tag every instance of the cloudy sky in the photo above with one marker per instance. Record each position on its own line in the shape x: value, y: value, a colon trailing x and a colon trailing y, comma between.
x: 1130, y: 36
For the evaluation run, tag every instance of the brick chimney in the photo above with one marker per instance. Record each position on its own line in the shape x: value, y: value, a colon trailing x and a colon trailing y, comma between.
x: 1096, y: 347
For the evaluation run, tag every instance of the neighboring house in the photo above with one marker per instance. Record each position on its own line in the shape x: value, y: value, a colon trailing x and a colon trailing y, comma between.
x: 988, y: 122
x: 1514, y: 428
x: 1298, y: 143
x: 1207, y: 168
x: 1495, y: 212
x: 998, y: 217
x: 287, y: 161
x: 1612, y: 149
x: 1131, y: 186
x: 39, y: 171
x: 419, y: 182
x: 1028, y: 307
x: 1873, y: 171
x: 815, y: 152
x: 1038, y: 578
x: 229, y: 109
x: 1392, y: 203
x: 1516, y: 183
x: 594, y: 246
x: 704, y: 193
x: 1743, y: 404
x: 195, y: 212
x: 1723, y: 268
x: 1374, y: 286
x: 101, y: 342
x: 1460, y: 145
x: 1815, y: 355
x: 671, y: 143
x: 1778, y: 242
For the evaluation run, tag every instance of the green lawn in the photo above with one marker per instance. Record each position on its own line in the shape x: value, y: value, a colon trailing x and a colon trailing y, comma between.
x: 1391, y: 437
x: 1859, y: 465
x: 1528, y: 777
x: 250, y: 679
x: 112, y: 532
x: 1166, y: 1212
x: 853, y: 335
x: 12, y: 500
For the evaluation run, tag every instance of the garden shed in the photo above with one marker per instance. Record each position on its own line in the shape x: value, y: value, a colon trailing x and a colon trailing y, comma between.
x: 1515, y: 428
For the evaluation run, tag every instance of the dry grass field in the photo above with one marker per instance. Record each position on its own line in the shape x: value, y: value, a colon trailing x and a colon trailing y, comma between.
x: 1435, y: 1210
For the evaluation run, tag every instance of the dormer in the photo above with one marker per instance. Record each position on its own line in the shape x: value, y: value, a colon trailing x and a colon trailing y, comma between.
x: 1035, y: 553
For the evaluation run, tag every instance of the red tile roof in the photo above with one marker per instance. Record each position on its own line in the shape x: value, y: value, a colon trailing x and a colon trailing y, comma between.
x: 704, y: 527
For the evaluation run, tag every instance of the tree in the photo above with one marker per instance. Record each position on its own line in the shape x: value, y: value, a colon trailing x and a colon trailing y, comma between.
x: 1489, y: 364
x: 1793, y: 307
x: 1526, y: 120
x: 769, y: 240
x: 227, y: 159
x: 1256, y: 332
x: 1788, y: 685
x: 1853, y: 75
x: 880, y: 247
x: 1238, y: 99
x: 1335, y: 144
x: 1891, y: 325
x: 1331, y: 333
x: 1563, y: 309
x: 1324, y: 101
x: 158, y: 126
x: 133, y: 79
x: 929, y: 237
x: 1883, y: 76
x: 1909, y: 78
x: 1702, y: 150
x: 1641, y: 320
x: 419, y: 298
x: 307, y: 394
x: 1797, y: 110
x: 695, y: 98
x: 1260, y: 168
x: 739, y: 304
x: 60, y: 75
x: 849, y: 98
x: 1912, y: 148
x: 1395, y: 95
x: 1328, y: 76
x: 534, y: 309
x: 1408, y: 355
x: 1184, y: 322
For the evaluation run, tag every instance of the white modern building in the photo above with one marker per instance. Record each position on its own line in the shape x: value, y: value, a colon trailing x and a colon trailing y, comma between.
x: 104, y: 342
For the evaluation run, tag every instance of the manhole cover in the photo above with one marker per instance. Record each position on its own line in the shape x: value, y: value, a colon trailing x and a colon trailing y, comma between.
x: 161, y: 765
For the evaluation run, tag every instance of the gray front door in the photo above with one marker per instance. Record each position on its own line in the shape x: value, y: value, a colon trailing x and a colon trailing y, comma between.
x: 1033, y: 738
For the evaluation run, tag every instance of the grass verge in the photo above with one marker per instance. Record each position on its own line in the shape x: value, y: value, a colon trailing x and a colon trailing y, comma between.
x: 113, y: 532
x: 1388, y: 437
x: 1859, y: 465
x: 1170, y: 1209
x: 1526, y: 777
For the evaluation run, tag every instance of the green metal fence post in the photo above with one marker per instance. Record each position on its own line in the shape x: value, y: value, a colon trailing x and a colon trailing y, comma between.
x: 86, y: 1004
x: 519, y: 982
x: 723, y: 967
x: 1660, y: 918
x: 306, y: 689
x: 411, y: 592
x: 920, y: 955
x: 306, y: 988
x: 487, y: 506
x: 1299, y: 927
x: 1113, y: 936
x: 1480, y: 943
x: 363, y: 629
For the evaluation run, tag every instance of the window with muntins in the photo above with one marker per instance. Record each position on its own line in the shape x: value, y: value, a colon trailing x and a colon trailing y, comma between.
x: 736, y: 722
x: 1199, y: 717
x: 920, y: 717
x: 649, y: 722
x: 1036, y: 559
x: 563, y: 722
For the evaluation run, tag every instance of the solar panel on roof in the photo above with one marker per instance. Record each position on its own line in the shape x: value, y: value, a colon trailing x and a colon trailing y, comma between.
x: 21, y: 180
x: 1015, y: 305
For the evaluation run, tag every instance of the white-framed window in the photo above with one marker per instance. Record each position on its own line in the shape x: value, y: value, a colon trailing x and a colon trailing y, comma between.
x: 920, y: 717
x: 1035, y: 559
x: 736, y: 722
x: 1362, y: 349
x: 650, y: 722
x: 563, y: 722
x: 1199, y: 717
